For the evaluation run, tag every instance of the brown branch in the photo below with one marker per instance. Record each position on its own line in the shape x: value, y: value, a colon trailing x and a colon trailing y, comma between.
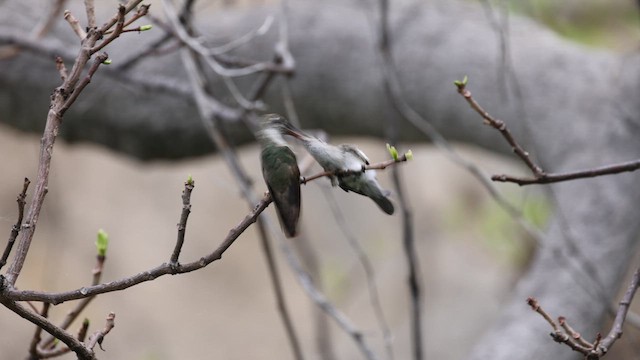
x: 119, y: 21
x: 75, y: 24
x: 571, y: 332
x: 15, y: 229
x: 579, y: 174
x: 76, y: 346
x: 212, y: 62
x: 91, y: 13
x: 98, y: 336
x: 211, y: 122
x: 377, y: 166
x: 599, y: 348
x: 33, y: 348
x: 115, y: 33
x: 62, y: 69
x: 184, y: 216
x: 101, y: 58
x: 539, y: 175
x: 60, y: 102
x: 62, y: 98
x: 132, y: 4
x: 621, y: 315
x: 143, y: 11
x: 558, y: 335
x: 500, y: 126
x: 160, y: 270
x: 121, y: 24
x: 535, y: 306
x: 75, y: 312
x: 84, y: 328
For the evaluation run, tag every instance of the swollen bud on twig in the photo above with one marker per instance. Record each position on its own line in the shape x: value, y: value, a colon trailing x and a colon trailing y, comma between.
x: 408, y: 155
x: 393, y: 151
x: 102, y: 242
x: 107, y: 62
x: 145, y: 27
x: 464, y: 81
x: 190, y: 180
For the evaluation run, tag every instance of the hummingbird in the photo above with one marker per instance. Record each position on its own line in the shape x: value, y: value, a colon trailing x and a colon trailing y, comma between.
x: 341, y: 158
x: 280, y: 171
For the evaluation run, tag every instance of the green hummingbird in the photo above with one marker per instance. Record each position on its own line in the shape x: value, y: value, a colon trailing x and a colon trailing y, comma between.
x: 344, y: 157
x: 280, y: 171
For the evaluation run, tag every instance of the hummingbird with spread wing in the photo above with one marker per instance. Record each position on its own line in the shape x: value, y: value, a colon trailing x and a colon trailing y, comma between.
x: 280, y: 171
x: 343, y: 158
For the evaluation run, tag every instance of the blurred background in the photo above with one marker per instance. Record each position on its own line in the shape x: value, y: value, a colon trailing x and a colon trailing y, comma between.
x: 468, y: 259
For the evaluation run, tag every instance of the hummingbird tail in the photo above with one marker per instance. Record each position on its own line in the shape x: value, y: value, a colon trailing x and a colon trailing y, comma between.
x: 385, y: 204
x: 289, y: 229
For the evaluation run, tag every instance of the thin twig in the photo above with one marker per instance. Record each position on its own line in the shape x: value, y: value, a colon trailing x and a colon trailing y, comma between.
x: 62, y: 69
x: 152, y: 49
x: 500, y: 126
x: 623, y: 308
x: 99, y: 60
x: 89, y: 6
x: 321, y: 300
x: 146, y: 84
x: 82, y: 304
x: 143, y: 11
x: 115, y: 34
x: 340, y: 173
x: 235, y: 43
x: 200, y: 49
x: 563, y: 333
x: 539, y: 175
x: 63, y: 97
x: 279, y: 293
x: 15, y: 229
x: 75, y: 24
x: 391, y: 84
x: 76, y: 346
x: 164, y: 269
x: 84, y: 328
x: 208, y: 117
x: 98, y: 336
x: 571, y: 332
x: 184, y: 216
x: 33, y: 348
x: 60, y: 103
x: 369, y: 271
x: 128, y: 7
x: 578, y: 174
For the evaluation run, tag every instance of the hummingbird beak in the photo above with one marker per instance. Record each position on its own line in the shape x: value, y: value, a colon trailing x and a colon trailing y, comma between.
x: 290, y: 130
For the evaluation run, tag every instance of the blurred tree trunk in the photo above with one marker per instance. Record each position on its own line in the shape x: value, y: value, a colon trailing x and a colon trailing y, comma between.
x: 574, y: 108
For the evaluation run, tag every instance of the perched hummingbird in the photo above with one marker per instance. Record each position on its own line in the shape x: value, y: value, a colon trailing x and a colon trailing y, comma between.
x: 344, y: 158
x: 280, y: 171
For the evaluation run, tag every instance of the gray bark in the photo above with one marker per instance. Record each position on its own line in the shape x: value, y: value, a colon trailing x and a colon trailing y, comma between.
x: 577, y: 108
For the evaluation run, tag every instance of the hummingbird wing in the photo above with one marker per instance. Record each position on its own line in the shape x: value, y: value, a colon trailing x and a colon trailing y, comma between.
x: 366, y: 184
x: 355, y: 151
x: 281, y: 173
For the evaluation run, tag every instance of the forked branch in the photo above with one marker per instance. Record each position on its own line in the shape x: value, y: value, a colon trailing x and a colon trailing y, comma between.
x: 539, y: 175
